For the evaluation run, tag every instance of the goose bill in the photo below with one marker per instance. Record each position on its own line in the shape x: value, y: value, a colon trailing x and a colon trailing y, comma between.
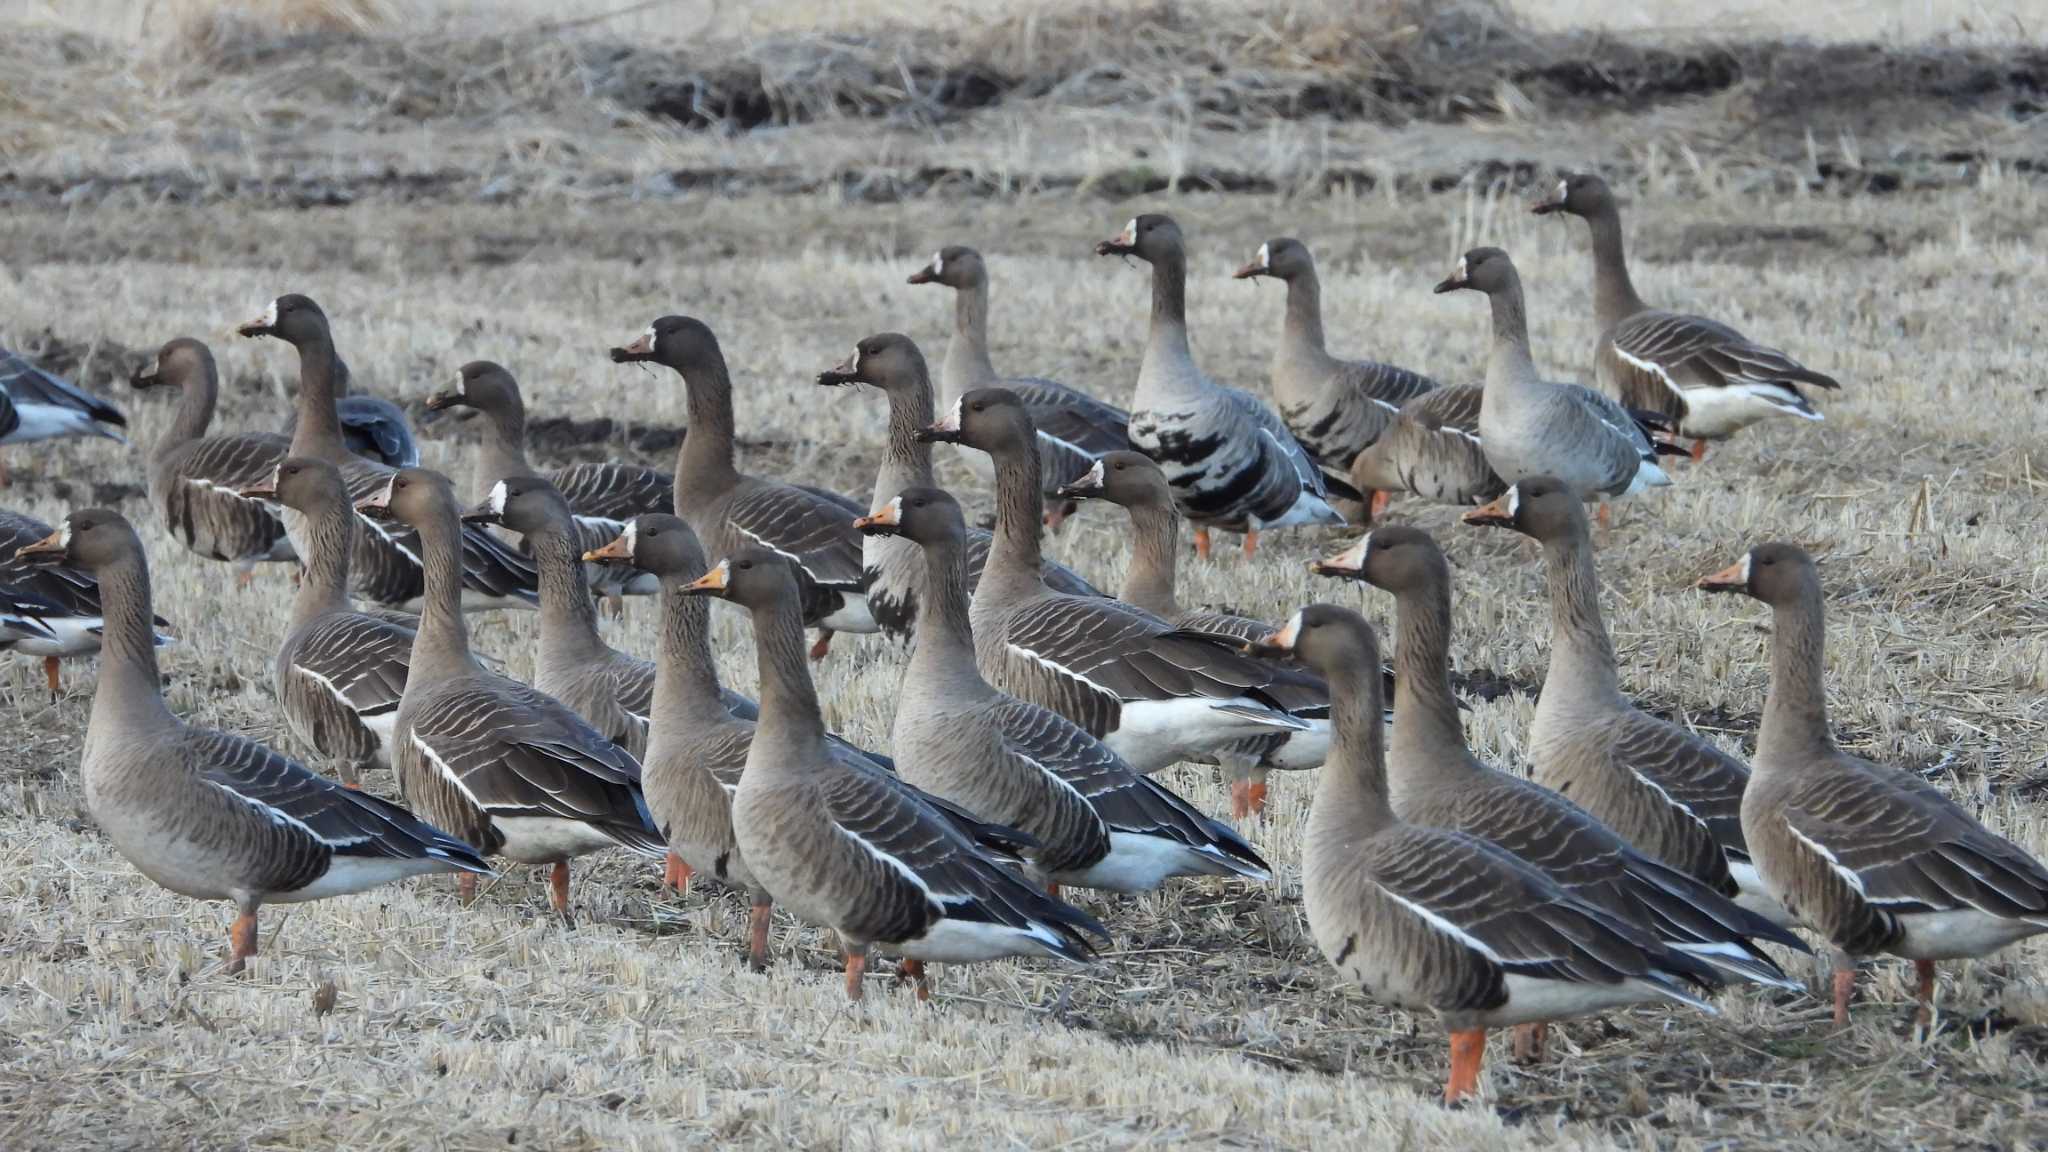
x: 1733, y: 578
x: 642, y: 348
x: 1278, y: 643
x: 946, y: 430
x: 930, y: 272
x: 712, y: 583
x: 1499, y: 513
x: 377, y: 505
x: 1349, y: 562
x: 49, y: 550
x: 847, y: 371
x: 1088, y: 485
x: 263, y: 325
x: 1552, y: 202
x: 619, y: 551
x: 878, y: 522
x: 1257, y: 266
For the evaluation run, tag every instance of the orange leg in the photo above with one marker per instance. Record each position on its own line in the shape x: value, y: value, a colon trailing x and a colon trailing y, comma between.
x: 298, y: 576
x: 1925, y: 970
x: 1699, y: 451
x: 1255, y: 793
x: 241, y: 942
x: 1057, y: 515
x: 913, y: 970
x: 1052, y: 890
x: 50, y: 675
x: 1468, y: 1049
x: 1530, y: 1041
x: 1845, y: 982
x: 1202, y: 543
x: 757, y: 936
x: 1240, y: 800
x: 558, y: 891
x: 856, y: 964
x: 465, y: 888
x: 1251, y: 543
x: 243, y: 578
x: 823, y: 645
x: 1600, y: 513
x: 1377, y: 507
x: 676, y: 874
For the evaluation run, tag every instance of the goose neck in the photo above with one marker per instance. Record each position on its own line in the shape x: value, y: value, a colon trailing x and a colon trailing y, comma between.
x: 441, y: 646
x: 945, y: 636
x: 129, y: 691
x: 1303, y: 332
x: 1614, y: 295
x: 1427, y: 730
x: 1155, y: 541
x: 196, y: 402
x: 319, y: 429
x: 1581, y: 655
x: 1015, y: 554
x: 1508, y: 362
x: 1795, y: 723
x: 967, y: 359
x: 686, y: 690
x: 568, y: 614
x: 906, y: 461
x: 704, y: 462
x: 790, y: 719
x: 1352, y: 798
x: 502, y: 453
x: 323, y: 587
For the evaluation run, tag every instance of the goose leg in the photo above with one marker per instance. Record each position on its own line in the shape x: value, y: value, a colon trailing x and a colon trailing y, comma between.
x: 1202, y: 543
x: 675, y: 873
x: 757, y: 936
x: 1530, y: 1042
x: 1378, y: 505
x: 1468, y: 1049
x: 241, y: 940
x: 50, y: 675
x: 1255, y: 792
x: 1251, y: 542
x: 1057, y: 514
x: 558, y: 892
x: 1600, y: 513
x: 1699, y: 451
x: 1845, y: 983
x: 465, y: 888
x: 243, y: 578
x: 1925, y: 993
x: 913, y: 970
x: 823, y: 645
x: 856, y: 964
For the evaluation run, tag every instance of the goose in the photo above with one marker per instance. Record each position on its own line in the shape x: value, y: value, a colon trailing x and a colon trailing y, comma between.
x: 196, y: 479
x: 518, y: 773
x: 1438, y: 920
x: 603, y: 495
x: 1529, y: 426
x: 1099, y: 824
x: 387, y: 565
x: 1872, y: 858
x: 53, y: 611
x: 1667, y: 790
x: 892, y: 567
x: 340, y: 673
x: 1153, y: 695
x: 851, y: 850
x: 371, y: 426
x: 1335, y: 408
x: 1232, y: 463
x: 35, y: 405
x: 1708, y: 378
x: 1073, y: 427
x: 1132, y: 481
x: 209, y: 814
x: 1436, y: 782
x: 729, y: 509
x: 1430, y: 449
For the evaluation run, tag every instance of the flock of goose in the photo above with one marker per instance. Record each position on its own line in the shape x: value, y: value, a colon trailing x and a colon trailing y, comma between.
x: 1637, y: 862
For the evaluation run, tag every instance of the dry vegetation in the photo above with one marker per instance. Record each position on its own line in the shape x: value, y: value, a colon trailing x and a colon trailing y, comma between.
x: 499, y: 192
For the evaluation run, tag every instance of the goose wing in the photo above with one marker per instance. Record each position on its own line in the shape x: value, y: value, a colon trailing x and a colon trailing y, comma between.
x: 1689, y: 772
x: 1278, y: 445
x: 614, y: 492
x: 1669, y: 352
x: 376, y: 428
x: 361, y: 659
x: 812, y: 527
x: 1058, y: 577
x: 25, y: 383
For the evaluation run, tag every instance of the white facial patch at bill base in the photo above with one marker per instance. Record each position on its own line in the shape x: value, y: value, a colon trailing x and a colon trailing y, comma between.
x: 1514, y: 499
x: 498, y: 498
x: 1289, y: 633
x: 1463, y: 274
x: 1095, y: 478
x: 1744, y: 570
x: 632, y: 537
x: 1265, y: 257
x: 269, y: 317
x: 1130, y: 233
x: 1352, y: 559
x: 649, y: 337
x: 892, y: 512
x: 64, y: 533
x: 461, y: 383
x: 1564, y: 191
x: 938, y: 263
x: 950, y: 422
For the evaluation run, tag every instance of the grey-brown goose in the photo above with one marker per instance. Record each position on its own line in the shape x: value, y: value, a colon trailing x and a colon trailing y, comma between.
x: 56, y: 610
x: 1708, y: 378
x: 1666, y: 789
x: 894, y: 569
x: 386, y: 566
x: 1530, y: 426
x: 1099, y: 824
x: 209, y: 814
x: 850, y: 849
x: 1436, y: 782
x: 1132, y: 481
x: 195, y: 480
x: 1152, y: 694
x: 1431, y: 449
x: 518, y: 772
x: 612, y: 691
x: 1436, y: 920
x: 729, y: 509
x: 1073, y: 427
x: 1232, y: 462
x: 340, y: 673
x: 36, y: 405
x: 1875, y: 859
x: 603, y: 495
x: 1334, y: 407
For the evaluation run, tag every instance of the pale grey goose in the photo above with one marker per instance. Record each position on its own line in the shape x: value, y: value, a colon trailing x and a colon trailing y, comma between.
x: 386, y: 567
x: 1436, y: 782
x: 1666, y: 789
x: 196, y: 480
x: 371, y: 426
x: 1233, y: 464
x: 1435, y: 920
x: 518, y: 772
x: 55, y: 610
x: 893, y: 568
x: 36, y: 405
x: 1334, y: 407
x: 340, y: 673
x: 1099, y: 823
x: 1873, y: 858
x: 1132, y: 481
x: 209, y: 814
x: 1073, y: 427
x: 1153, y: 695
x: 603, y: 495
x: 729, y: 509
x: 851, y: 849
x: 1430, y: 449
x: 1529, y: 426
x: 1708, y: 378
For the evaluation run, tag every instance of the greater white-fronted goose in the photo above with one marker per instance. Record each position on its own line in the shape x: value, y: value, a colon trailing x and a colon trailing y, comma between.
x: 386, y: 566
x: 56, y: 610
x: 518, y: 772
x: 611, y: 690
x: 894, y: 570
x: 1529, y: 426
x: 1436, y: 782
x: 1666, y: 789
x: 1334, y: 407
x: 1154, y: 695
x: 729, y: 509
x: 1873, y: 858
x: 209, y: 814
x: 35, y: 405
x: 1708, y: 378
x: 1430, y: 449
x: 1098, y: 823
x: 1232, y: 463
x: 850, y: 850
x: 1437, y: 920
x: 1073, y: 427
x: 196, y: 480
x: 1132, y: 481
x: 603, y: 495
